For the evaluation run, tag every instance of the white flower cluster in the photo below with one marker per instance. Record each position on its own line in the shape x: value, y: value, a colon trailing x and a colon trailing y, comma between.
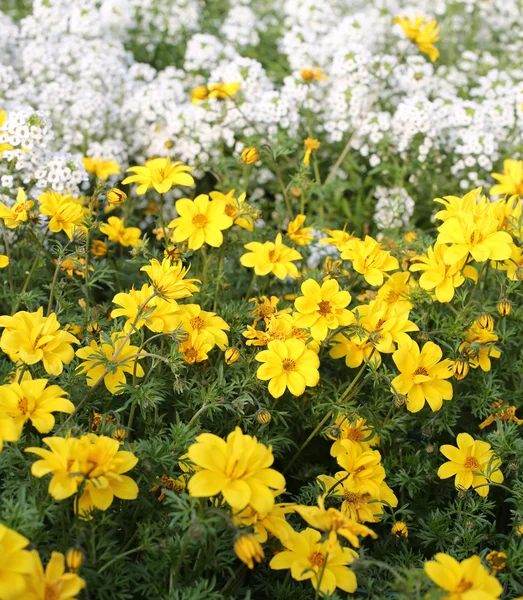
x: 394, y: 208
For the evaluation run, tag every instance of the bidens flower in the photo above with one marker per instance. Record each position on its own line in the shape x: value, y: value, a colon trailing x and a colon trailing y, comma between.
x: 102, y: 169
x: 115, y: 197
x: 53, y: 583
x: 421, y: 33
x: 65, y: 213
x: 116, y: 231
x: 369, y: 259
x: 169, y: 280
x: 248, y: 549
x: 297, y: 233
x: 289, y: 364
x: 237, y: 468
x: 19, y: 213
x: 511, y: 180
x: 160, y: 174
x: 271, y: 257
x: 250, y: 156
x: 16, y: 563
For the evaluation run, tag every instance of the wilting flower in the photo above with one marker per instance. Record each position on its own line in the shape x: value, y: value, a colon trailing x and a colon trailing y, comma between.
x: 298, y: 234
x: 102, y: 169
x: 271, y: 257
x: 201, y: 222
x: 324, y: 563
x: 310, y: 145
x: 65, y: 214
x: 248, y: 549
x: 114, y: 357
x: 472, y: 462
x: 421, y: 33
x: 237, y: 468
x: 18, y: 213
x: 369, y: 259
x: 31, y: 338
x: 464, y: 580
x: 116, y: 231
x: 250, y: 156
x: 423, y: 375
x: 169, y: 280
x: 511, y: 180
x: 289, y: 364
x: 160, y: 174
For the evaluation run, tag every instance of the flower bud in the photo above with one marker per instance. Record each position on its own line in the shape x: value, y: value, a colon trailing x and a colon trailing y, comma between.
x: 231, y: 355
x: 200, y: 93
x: 497, y: 560
x: 519, y: 273
x: 263, y: 416
x: 248, y: 550
x: 116, y: 197
x: 399, y: 400
x: 250, y: 156
x: 400, y: 530
x: 98, y: 248
x: 74, y: 560
x: 460, y: 368
x: 504, y: 308
x: 119, y: 434
x: 485, y: 322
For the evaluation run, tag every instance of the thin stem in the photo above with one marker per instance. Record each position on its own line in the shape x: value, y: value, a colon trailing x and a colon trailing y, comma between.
x: 53, y: 285
x: 181, y: 556
x: 283, y: 189
x: 123, y: 555
x: 9, y: 264
x: 162, y: 220
x: 29, y: 275
x: 219, y: 276
x: 251, y: 286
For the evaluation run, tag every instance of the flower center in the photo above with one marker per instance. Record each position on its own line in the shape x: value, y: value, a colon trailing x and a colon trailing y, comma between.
x: 23, y: 405
x: 288, y: 365
x: 463, y: 586
x: 471, y: 463
x: 197, y: 323
x: 380, y: 323
x: 357, y: 500
x: 191, y: 355
x: 393, y: 297
x: 421, y: 371
x: 353, y: 434
x: 51, y: 592
x: 324, y: 308
x: 317, y: 559
x: 265, y: 310
x: 199, y: 220
x: 476, y: 238
x: 272, y: 254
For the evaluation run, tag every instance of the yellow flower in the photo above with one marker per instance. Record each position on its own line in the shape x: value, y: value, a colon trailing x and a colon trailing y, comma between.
x: 464, y: 580
x: 497, y: 560
x: 169, y: 280
x: 354, y: 349
x: 313, y: 74
x: 9, y: 432
x: 472, y: 462
x: 199, y: 93
x: 514, y: 265
x: 91, y: 464
x: 324, y: 563
x: 231, y: 356
x: 266, y: 309
x: 460, y: 368
x: 31, y: 338
x: 74, y: 560
x: 421, y: 33
x: 289, y: 364
x: 511, y: 180
x: 400, y: 530
x: 310, y: 145
x: 194, y: 319
x: 237, y: 468
x: 439, y: 276
x: 99, y: 248
x: 248, y: 549
x: 16, y: 564
x: 222, y: 91
x: 116, y: 231
x: 31, y: 400
x: 472, y: 202
x: 322, y: 308
x: 4, y: 261
x: 237, y: 209
x: 369, y: 259
x: 115, y: 356
x: 19, y: 213
x: 272, y: 523
x: 338, y: 238
x: 504, y: 307
x: 250, y: 156
x: 102, y: 169
x: 478, y: 347
x: 299, y: 235
x: 271, y: 257
x: 422, y: 375
x: 354, y: 430
x: 65, y: 214
x: 201, y: 222
x: 53, y: 583
x: 196, y: 347
x: 160, y: 174
x: 396, y: 290
x: 334, y: 522
x: 157, y: 315
x: 115, y: 197
x: 4, y: 147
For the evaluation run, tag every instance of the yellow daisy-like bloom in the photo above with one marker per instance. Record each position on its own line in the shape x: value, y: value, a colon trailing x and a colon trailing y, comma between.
x: 322, y: 308
x: 421, y: 33
x: 334, y: 522
x: 158, y: 315
x: 472, y: 203
x: 4, y: 261
x: 297, y: 233
x: 354, y: 430
x: 272, y: 523
x: 422, y: 375
x: 102, y: 169
x: 510, y: 181
x: 53, y: 583
x: 9, y: 432
x: 65, y: 213
x: 396, y: 290
x: 266, y: 309
x: 324, y: 563
x: 31, y: 338
x: 31, y: 400
x: 201, y: 222
x: 19, y: 213
x: 92, y: 464
x: 514, y: 265
x: 369, y: 259
x: 168, y: 279
x: 196, y: 347
x: 310, y: 145
x: 479, y: 348
x: 199, y: 94
x: 338, y: 238
x: 194, y: 319
x: 237, y: 208
x: 238, y: 468
x: 271, y: 257
x: 16, y: 564
x: 116, y: 356
x: 160, y: 174
x: 355, y: 350
x: 289, y: 364
x: 313, y: 74
x: 465, y: 580
x: 223, y: 91
x: 116, y: 231
x: 362, y: 468
x: 248, y: 549
x: 472, y: 462
x: 439, y: 276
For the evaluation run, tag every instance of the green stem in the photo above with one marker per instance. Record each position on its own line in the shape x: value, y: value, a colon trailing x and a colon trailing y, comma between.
x: 251, y: 286
x: 181, y: 556
x: 9, y: 265
x: 219, y: 276
x: 123, y: 555
x: 283, y: 189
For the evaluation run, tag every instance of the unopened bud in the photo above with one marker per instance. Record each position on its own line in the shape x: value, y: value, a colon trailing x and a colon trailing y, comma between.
x: 74, y: 560
x: 399, y: 400
x: 504, y: 308
x: 485, y: 322
x: 250, y: 156
x: 263, y: 416
x: 231, y: 355
x: 460, y: 368
x: 116, y: 197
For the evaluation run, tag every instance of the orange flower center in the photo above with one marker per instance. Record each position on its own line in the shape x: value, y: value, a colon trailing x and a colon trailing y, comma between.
x: 190, y: 355
x: 23, y: 405
x: 51, y: 592
x: 463, y: 586
x: 353, y: 434
x: 476, y: 237
x: 199, y: 220
x: 393, y: 297
x: 272, y: 254
x: 197, y: 323
x: 421, y: 371
x: 265, y: 310
x: 380, y: 323
x: 288, y: 365
x: 471, y: 463
x: 324, y: 308
x: 317, y: 559
x: 357, y: 500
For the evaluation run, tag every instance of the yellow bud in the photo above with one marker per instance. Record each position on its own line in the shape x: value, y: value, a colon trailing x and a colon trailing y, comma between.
x: 99, y: 248
x: 497, y: 560
x: 400, y: 530
x: 263, y: 416
x: 74, y: 560
x: 296, y: 192
x: 250, y: 156
x: 116, y: 196
x: 485, y: 322
x: 248, y: 549
x: 200, y: 93
x: 231, y: 355
x: 504, y: 308
x: 120, y: 434
x: 460, y: 369
x: 399, y: 400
